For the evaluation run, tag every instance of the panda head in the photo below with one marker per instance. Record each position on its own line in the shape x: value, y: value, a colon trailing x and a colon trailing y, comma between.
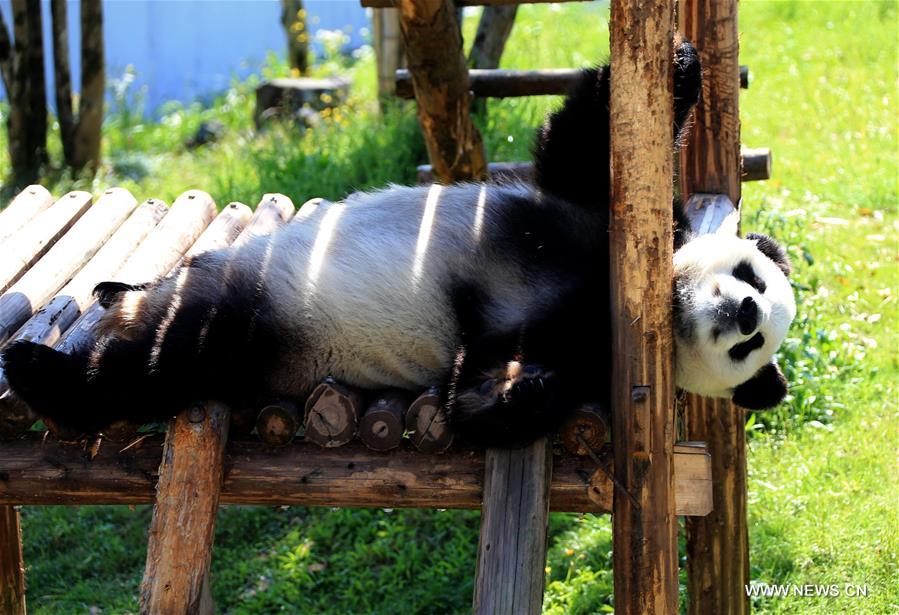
x: 733, y: 305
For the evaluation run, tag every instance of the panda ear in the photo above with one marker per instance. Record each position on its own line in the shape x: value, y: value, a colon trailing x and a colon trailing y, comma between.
x: 772, y: 250
x: 764, y: 390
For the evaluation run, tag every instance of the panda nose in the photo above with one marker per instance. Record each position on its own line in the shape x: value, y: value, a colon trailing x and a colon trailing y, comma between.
x: 748, y: 316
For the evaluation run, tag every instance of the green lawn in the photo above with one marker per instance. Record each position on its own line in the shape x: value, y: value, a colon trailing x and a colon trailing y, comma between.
x: 823, y: 471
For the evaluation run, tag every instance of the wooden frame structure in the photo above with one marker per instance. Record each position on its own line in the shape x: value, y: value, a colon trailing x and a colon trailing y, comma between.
x: 654, y: 479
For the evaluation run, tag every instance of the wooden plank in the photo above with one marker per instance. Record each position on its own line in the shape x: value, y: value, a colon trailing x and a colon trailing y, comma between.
x: 382, y: 4
x: 644, y: 522
x: 42, y: 471
x: 514, y: 518
x: 179, y: 549
x: 181, y: 227
x: 718, y: 544
x: 64, y: 259
x: 272, y: 211
x: 49, y: 323
x: 21, y: 210
x: 32, y: 241
x: 12, y: 566
x: 389, y: 53
x: 505, y: 83
x: 439, y: 77
x: 223, y: 230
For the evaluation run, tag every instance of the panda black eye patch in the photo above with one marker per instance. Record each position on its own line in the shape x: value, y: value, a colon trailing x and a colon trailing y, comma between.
x: 742, y: 350
x: 745, y: 273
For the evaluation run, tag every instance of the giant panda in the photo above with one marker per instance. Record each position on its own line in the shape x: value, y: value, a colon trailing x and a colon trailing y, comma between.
x: 498, y: 293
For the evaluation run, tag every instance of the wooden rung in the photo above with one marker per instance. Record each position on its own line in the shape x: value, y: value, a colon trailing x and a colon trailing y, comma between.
x: 28, y: 244
x: 64, y: 259
x: 30, y: 202
x: 503, y: 83
x: 756, y: 167
x: 386, y: 4
x: 514, y: 518
x: 39, y: 471
x: 179, y: 549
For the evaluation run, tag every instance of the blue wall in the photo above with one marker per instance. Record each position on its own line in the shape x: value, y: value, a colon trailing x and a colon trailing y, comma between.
x: 191, y: 49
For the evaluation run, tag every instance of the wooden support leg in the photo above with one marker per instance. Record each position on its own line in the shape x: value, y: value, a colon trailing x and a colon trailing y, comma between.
x: 643, y: 511
x: 12, y: 567
x: 181, y: 532
x: 717, y: 545
x: 514, y: 517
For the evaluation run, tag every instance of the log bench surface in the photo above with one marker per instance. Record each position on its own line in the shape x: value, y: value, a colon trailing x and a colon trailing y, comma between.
x: 35, y: 469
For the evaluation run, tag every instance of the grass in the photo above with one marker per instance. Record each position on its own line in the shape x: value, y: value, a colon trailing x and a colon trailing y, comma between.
x: 822, y: 467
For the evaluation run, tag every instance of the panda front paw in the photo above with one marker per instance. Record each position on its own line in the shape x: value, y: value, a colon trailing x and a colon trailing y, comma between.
x: 512, y: 407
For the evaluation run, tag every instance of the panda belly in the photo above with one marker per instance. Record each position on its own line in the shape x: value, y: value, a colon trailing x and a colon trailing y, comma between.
x: 369, y: 308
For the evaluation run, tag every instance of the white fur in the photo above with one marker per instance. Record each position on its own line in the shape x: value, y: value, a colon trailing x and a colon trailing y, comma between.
x: 703, y: 363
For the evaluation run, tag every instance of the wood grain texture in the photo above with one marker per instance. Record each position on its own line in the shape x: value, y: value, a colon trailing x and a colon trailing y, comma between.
x: 278, y: 422
x: 332, y: 414
x: 49, y: 323
x: 440, y: 79
x: 505, y: 83
x: 643, y: 519
x: 32, y: 241
x: 181, y: 531
x: 163, y: 248
x: 380, y: 4
x: 12, y: 565
x: 41, y: 471
x: 514, y: 517
x: 30, y: 202
x: 64, y: 259
x: 718, y: 544
x: 383, y: 423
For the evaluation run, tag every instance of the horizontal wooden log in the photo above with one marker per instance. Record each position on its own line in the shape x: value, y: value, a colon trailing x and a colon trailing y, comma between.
x: 278, y: 422
x: 504, y: 83
x: 272, y: 211
x: 386, y: 4
x: 156, y: 255
x: 22, y: 209
x: 332, y: 414
x: 31, y: 242
x: 521, y: 171
x: 49, y: 323
x: 426, y: 423
x: 756, y: 164
x: 223, y: 230
x: 38, y: 471
x: 756, y: 167
x: 64, y: 259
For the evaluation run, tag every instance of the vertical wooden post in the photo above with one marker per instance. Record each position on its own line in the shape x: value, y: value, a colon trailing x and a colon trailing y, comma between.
x: 643, y: 514
x: 440, y: 79
x: 181, y: 532
x: 389, y: 53
x: 514, y: 517
x: 12, y: 567
x: 718, y: 544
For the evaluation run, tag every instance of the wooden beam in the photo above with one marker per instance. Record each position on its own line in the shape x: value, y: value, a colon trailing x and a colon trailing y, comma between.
x: 179, y: 550
x: 38, y: 470
x: 27, y: 245
x: 437, y: 65
x: 383, y: 4
x: 717, y: 545
x: 514, y: 518
x: 756, y: 164
x: 30, y: 202
x: 644, y: 519
x: 12, y: 566
x: 505, y: 83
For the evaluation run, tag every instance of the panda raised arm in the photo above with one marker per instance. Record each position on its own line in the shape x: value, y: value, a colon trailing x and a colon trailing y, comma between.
x: 498, y: 293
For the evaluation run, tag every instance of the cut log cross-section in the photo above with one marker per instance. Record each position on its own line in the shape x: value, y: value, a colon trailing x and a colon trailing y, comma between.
x: 332, y: 414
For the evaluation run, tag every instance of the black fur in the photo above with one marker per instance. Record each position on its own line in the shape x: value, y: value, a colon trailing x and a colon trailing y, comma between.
x: 556, y: 237
x: 764, y: 390
x: 772, y: 250
x: 110, y: 293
